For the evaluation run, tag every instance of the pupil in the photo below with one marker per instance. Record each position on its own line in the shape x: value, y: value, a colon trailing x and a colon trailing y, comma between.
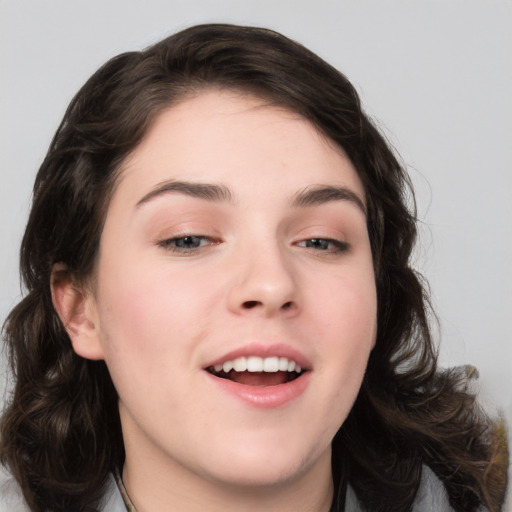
x: 318, y: 243
x: 188, y: 242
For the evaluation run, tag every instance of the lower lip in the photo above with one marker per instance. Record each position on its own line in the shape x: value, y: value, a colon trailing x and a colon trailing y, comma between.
x: 265, y: 397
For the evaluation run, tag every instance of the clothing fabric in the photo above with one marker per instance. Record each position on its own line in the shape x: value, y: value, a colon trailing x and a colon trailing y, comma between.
x: 11, y: 499
x: 432, y: 496
x: 130, y: 507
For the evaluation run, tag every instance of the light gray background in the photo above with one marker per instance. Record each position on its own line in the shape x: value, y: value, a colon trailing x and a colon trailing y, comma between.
x: 437, y: 76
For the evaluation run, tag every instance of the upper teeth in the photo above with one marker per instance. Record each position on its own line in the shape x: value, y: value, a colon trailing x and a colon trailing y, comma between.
x: 259, y: 364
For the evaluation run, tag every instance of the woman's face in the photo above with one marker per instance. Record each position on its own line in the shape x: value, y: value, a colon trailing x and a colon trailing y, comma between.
x: 236, y: 237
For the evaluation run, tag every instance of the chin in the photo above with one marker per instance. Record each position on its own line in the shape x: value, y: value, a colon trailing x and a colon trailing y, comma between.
x: 267, y: 474
x: 268, y: 467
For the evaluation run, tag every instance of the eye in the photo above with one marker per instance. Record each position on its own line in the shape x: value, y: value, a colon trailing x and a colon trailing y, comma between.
x: 186, y: 244
x: 325, y: 245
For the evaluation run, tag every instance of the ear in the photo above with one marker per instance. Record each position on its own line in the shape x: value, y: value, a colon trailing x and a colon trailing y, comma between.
x: 76, y: 308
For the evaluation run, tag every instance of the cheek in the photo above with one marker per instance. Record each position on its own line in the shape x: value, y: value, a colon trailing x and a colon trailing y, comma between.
x: 150, y: 324
x: 347, y: 319
x: 350, y: 350
x: 150, y: 307
x: 349, y: 308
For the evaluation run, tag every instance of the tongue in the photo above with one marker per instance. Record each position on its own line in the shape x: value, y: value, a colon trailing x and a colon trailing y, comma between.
x: 259, y: 378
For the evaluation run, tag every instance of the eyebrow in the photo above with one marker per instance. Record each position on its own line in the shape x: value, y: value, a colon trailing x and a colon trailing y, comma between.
x: 207, y: 191
x: 321, y: 194
x: 311, y: 196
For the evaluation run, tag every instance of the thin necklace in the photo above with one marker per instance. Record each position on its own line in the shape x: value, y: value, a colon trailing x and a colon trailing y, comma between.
x: 130, y: 507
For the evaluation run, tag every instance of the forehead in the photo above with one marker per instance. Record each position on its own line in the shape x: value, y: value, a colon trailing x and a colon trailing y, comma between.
x: 239, y: 140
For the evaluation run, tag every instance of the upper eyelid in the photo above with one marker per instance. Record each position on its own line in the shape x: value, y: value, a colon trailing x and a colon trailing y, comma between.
x: 322, y: 232
x: 313, y: 230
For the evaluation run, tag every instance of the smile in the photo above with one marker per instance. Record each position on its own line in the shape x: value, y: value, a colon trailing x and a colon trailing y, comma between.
x: 259, y: 364
x: 265, y: 377
x: 258, y: 371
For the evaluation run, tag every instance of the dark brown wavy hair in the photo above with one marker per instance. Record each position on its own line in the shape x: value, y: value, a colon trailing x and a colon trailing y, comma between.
x: 61, y: 434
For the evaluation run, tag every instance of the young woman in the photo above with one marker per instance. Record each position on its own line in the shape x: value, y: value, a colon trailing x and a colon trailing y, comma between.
x: 220, y: 312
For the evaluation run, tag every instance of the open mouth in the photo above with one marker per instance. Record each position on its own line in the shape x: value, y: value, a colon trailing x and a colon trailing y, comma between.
x: 258, y: 371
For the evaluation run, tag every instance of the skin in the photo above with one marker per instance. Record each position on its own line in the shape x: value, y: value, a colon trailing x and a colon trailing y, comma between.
x: 158, y: 313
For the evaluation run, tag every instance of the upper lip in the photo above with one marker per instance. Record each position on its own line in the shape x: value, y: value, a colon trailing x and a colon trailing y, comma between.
x: 262, y: 350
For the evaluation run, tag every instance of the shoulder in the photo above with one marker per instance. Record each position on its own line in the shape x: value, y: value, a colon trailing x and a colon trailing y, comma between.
x: 431, y: 496
x: 11, y: 497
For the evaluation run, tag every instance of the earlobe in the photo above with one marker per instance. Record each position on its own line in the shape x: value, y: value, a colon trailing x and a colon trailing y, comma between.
x: 76, y: 309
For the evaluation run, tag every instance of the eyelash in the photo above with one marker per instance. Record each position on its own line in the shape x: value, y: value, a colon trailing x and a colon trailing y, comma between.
x: 337, y: 246
x: 170, y: 244
x: 322, y: 245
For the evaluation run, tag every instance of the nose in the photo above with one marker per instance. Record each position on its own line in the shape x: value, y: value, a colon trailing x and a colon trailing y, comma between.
x: 264, y: 284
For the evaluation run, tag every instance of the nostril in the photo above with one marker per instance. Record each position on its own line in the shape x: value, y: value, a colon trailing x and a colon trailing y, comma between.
x: 249, y: 304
